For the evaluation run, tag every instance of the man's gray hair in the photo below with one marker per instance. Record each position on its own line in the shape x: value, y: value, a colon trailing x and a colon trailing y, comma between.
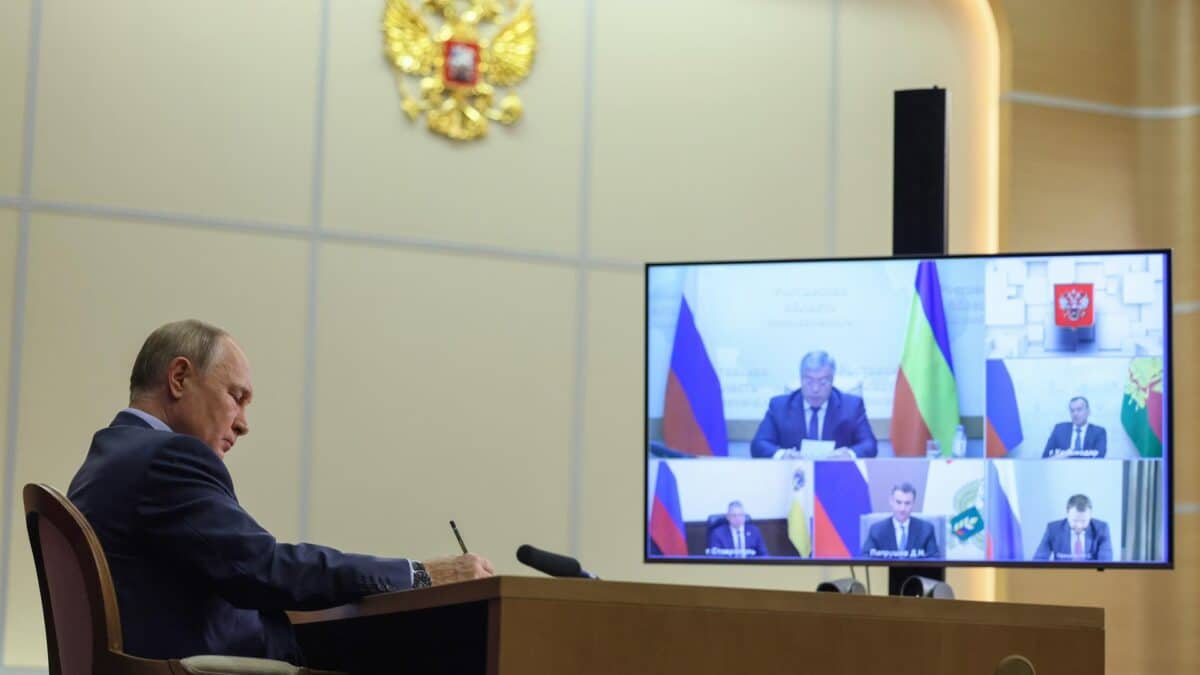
x: 194, y: 340
x: 735, y: 503
x: 816, y: 361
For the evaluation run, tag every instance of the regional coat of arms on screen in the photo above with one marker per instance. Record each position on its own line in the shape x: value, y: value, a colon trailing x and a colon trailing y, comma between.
x: 458, y: 66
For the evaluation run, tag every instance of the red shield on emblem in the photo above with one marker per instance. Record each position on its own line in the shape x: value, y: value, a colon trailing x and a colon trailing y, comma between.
x: 1074, y: 306
x: 461, y: 65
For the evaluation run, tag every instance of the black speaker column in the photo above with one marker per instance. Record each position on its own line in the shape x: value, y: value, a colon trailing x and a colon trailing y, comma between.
x: 918, y: 209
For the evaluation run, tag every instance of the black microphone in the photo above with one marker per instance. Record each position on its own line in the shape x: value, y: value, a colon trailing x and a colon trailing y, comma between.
x: 552, y: 563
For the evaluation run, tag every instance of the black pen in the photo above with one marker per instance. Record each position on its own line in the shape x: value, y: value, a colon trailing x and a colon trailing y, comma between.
x: 458, y: 537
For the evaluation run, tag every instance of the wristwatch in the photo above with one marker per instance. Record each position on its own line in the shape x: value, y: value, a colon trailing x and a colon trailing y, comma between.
x: 420, y: 577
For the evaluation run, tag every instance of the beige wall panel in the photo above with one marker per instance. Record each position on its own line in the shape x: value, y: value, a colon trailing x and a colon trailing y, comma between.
x: 1072, y: 181
x: 14, y: 56
x: 96, y: 289
x: 192, y: 107
x: 1168, y: 178
x: 384, y: 174
x: 444, y: 391
x: 1151, y: 617
x: 1168, y: 72
x: 1084, y: 50
x: 8, y: 263
x: 711, y: 129
x: 886, y: 46
x: 1186, y: 371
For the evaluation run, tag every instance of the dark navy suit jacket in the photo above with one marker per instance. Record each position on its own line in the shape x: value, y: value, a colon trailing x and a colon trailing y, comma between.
x: 194, y: 573
x: 1057, y: 540
x: 922, y: 541
x: 721, y: 537
x: 784, y: 427
x: 1063, y: 436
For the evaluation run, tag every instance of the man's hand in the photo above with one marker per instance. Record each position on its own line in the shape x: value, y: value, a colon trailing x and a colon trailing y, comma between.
x: 458, y: 568
x: 844, y: 453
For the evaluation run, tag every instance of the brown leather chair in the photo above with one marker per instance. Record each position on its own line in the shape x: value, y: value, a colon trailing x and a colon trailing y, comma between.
x: 79, y: 603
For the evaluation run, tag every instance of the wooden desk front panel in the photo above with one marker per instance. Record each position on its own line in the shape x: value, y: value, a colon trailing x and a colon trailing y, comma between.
x: 548, y: 636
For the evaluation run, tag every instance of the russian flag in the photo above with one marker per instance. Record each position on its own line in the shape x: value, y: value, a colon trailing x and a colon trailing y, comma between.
x: 1003, y: 416
x: 1002, y: 521
x: 840, y: 496
x: 666, y: 518
x: 694, y: 413
x: 925, y: 405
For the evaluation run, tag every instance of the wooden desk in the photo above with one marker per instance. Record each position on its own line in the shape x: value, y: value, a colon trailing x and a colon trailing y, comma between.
x: 526, y: 625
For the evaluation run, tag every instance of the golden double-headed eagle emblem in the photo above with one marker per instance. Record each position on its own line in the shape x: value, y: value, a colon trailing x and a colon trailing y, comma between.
x: 459, y: 69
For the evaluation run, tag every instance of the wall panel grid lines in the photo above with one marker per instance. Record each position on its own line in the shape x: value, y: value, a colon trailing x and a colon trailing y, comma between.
x: 1080, y: 105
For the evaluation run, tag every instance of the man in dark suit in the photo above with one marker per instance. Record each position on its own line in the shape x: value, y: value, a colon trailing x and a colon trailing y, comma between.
x: 736, y: 538
x: 1078, y: 537
x: 902, y: 536
x: 816, y: 411
x: 1077, y: 438
x: 194, y: 573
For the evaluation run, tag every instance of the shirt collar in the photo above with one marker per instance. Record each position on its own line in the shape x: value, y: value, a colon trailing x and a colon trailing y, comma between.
x: 146, y: 417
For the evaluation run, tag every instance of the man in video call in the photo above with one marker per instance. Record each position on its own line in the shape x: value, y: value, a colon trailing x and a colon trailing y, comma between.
x: 902, y: 536
x: 817, y: 411
x: 194, y: 572
x: 1079, y: 536
x: 736, y: 538
x: 1076, y: 438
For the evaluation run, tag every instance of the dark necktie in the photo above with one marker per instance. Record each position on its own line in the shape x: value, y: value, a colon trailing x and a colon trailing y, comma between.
x: 904, y: 537
x: 813, y: 431
x: 1078, y: 438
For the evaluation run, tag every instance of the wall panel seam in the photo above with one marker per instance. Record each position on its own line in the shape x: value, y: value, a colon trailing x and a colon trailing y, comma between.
x: 1083, y: 105
x: 20, y: 295
x: 831, y: 169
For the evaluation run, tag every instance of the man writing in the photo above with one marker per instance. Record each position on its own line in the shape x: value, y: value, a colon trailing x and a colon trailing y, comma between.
x: 902, y: 536
x: 817, y: 411
x: 1077, y: 438
x: 194, y: 573
x: 1077, y: 537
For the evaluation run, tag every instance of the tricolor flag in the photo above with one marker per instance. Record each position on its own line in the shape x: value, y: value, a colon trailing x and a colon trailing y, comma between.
x: 693, y: 413
x: 666, y: 518
x: 1003, y: 416
x: 1142, y: 405
x: 1003, y: 521
x: 840, y: 497
x: 925, y: 405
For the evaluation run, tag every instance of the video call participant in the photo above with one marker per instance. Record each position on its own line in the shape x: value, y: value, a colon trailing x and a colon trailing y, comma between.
x: 817, y: 411
x: 1079, y: 536
x: 1077, y: 438
x: 736, y: 538
x: 194, y: 572
x: 902, y: 536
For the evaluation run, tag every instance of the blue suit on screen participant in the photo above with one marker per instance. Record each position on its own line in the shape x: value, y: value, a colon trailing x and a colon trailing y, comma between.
x: 1077, y: 438
x: 736, y: 538
x: 840, y: 417
x: 1078, y: 537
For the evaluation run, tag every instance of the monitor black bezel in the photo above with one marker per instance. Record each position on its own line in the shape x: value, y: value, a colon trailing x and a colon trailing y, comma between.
x: 1168, y: 455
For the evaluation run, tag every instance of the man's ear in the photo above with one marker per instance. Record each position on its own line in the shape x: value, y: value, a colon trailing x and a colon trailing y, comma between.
x: 178, y: 371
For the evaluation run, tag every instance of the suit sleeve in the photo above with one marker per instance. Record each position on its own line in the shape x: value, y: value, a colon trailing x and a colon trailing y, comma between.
x: 1043, y: 549
x: 192, y: 518
x: 869, y: 544
x: 1050, y: 443
x: 864, y: 444
x: 931, y: 544
x: 766, y: 439
x: 1102, y: 441
x: 1103, y: 543
x: 760, y: 546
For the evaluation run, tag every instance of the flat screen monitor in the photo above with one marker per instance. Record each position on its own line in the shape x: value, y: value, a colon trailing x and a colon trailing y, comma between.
x: 1000, y: 410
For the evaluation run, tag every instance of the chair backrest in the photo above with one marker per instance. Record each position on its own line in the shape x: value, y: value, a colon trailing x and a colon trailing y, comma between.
x: 716, y: 520
x: 79, y: 604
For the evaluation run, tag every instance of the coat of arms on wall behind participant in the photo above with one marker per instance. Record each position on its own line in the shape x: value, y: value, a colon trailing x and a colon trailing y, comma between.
x: 458, y: 67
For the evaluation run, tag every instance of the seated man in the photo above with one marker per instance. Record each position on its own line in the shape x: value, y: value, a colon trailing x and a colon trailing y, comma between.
x: 816, y: 411
x: 1078, y: 537
x: 902, y: 536
x: 736, y: 538
x: 194, y: 573
x: 1077, y: 438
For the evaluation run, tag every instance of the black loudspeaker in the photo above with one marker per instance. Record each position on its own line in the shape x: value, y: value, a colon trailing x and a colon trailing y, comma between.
x: 919, y: 172
x: 919, y: 201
